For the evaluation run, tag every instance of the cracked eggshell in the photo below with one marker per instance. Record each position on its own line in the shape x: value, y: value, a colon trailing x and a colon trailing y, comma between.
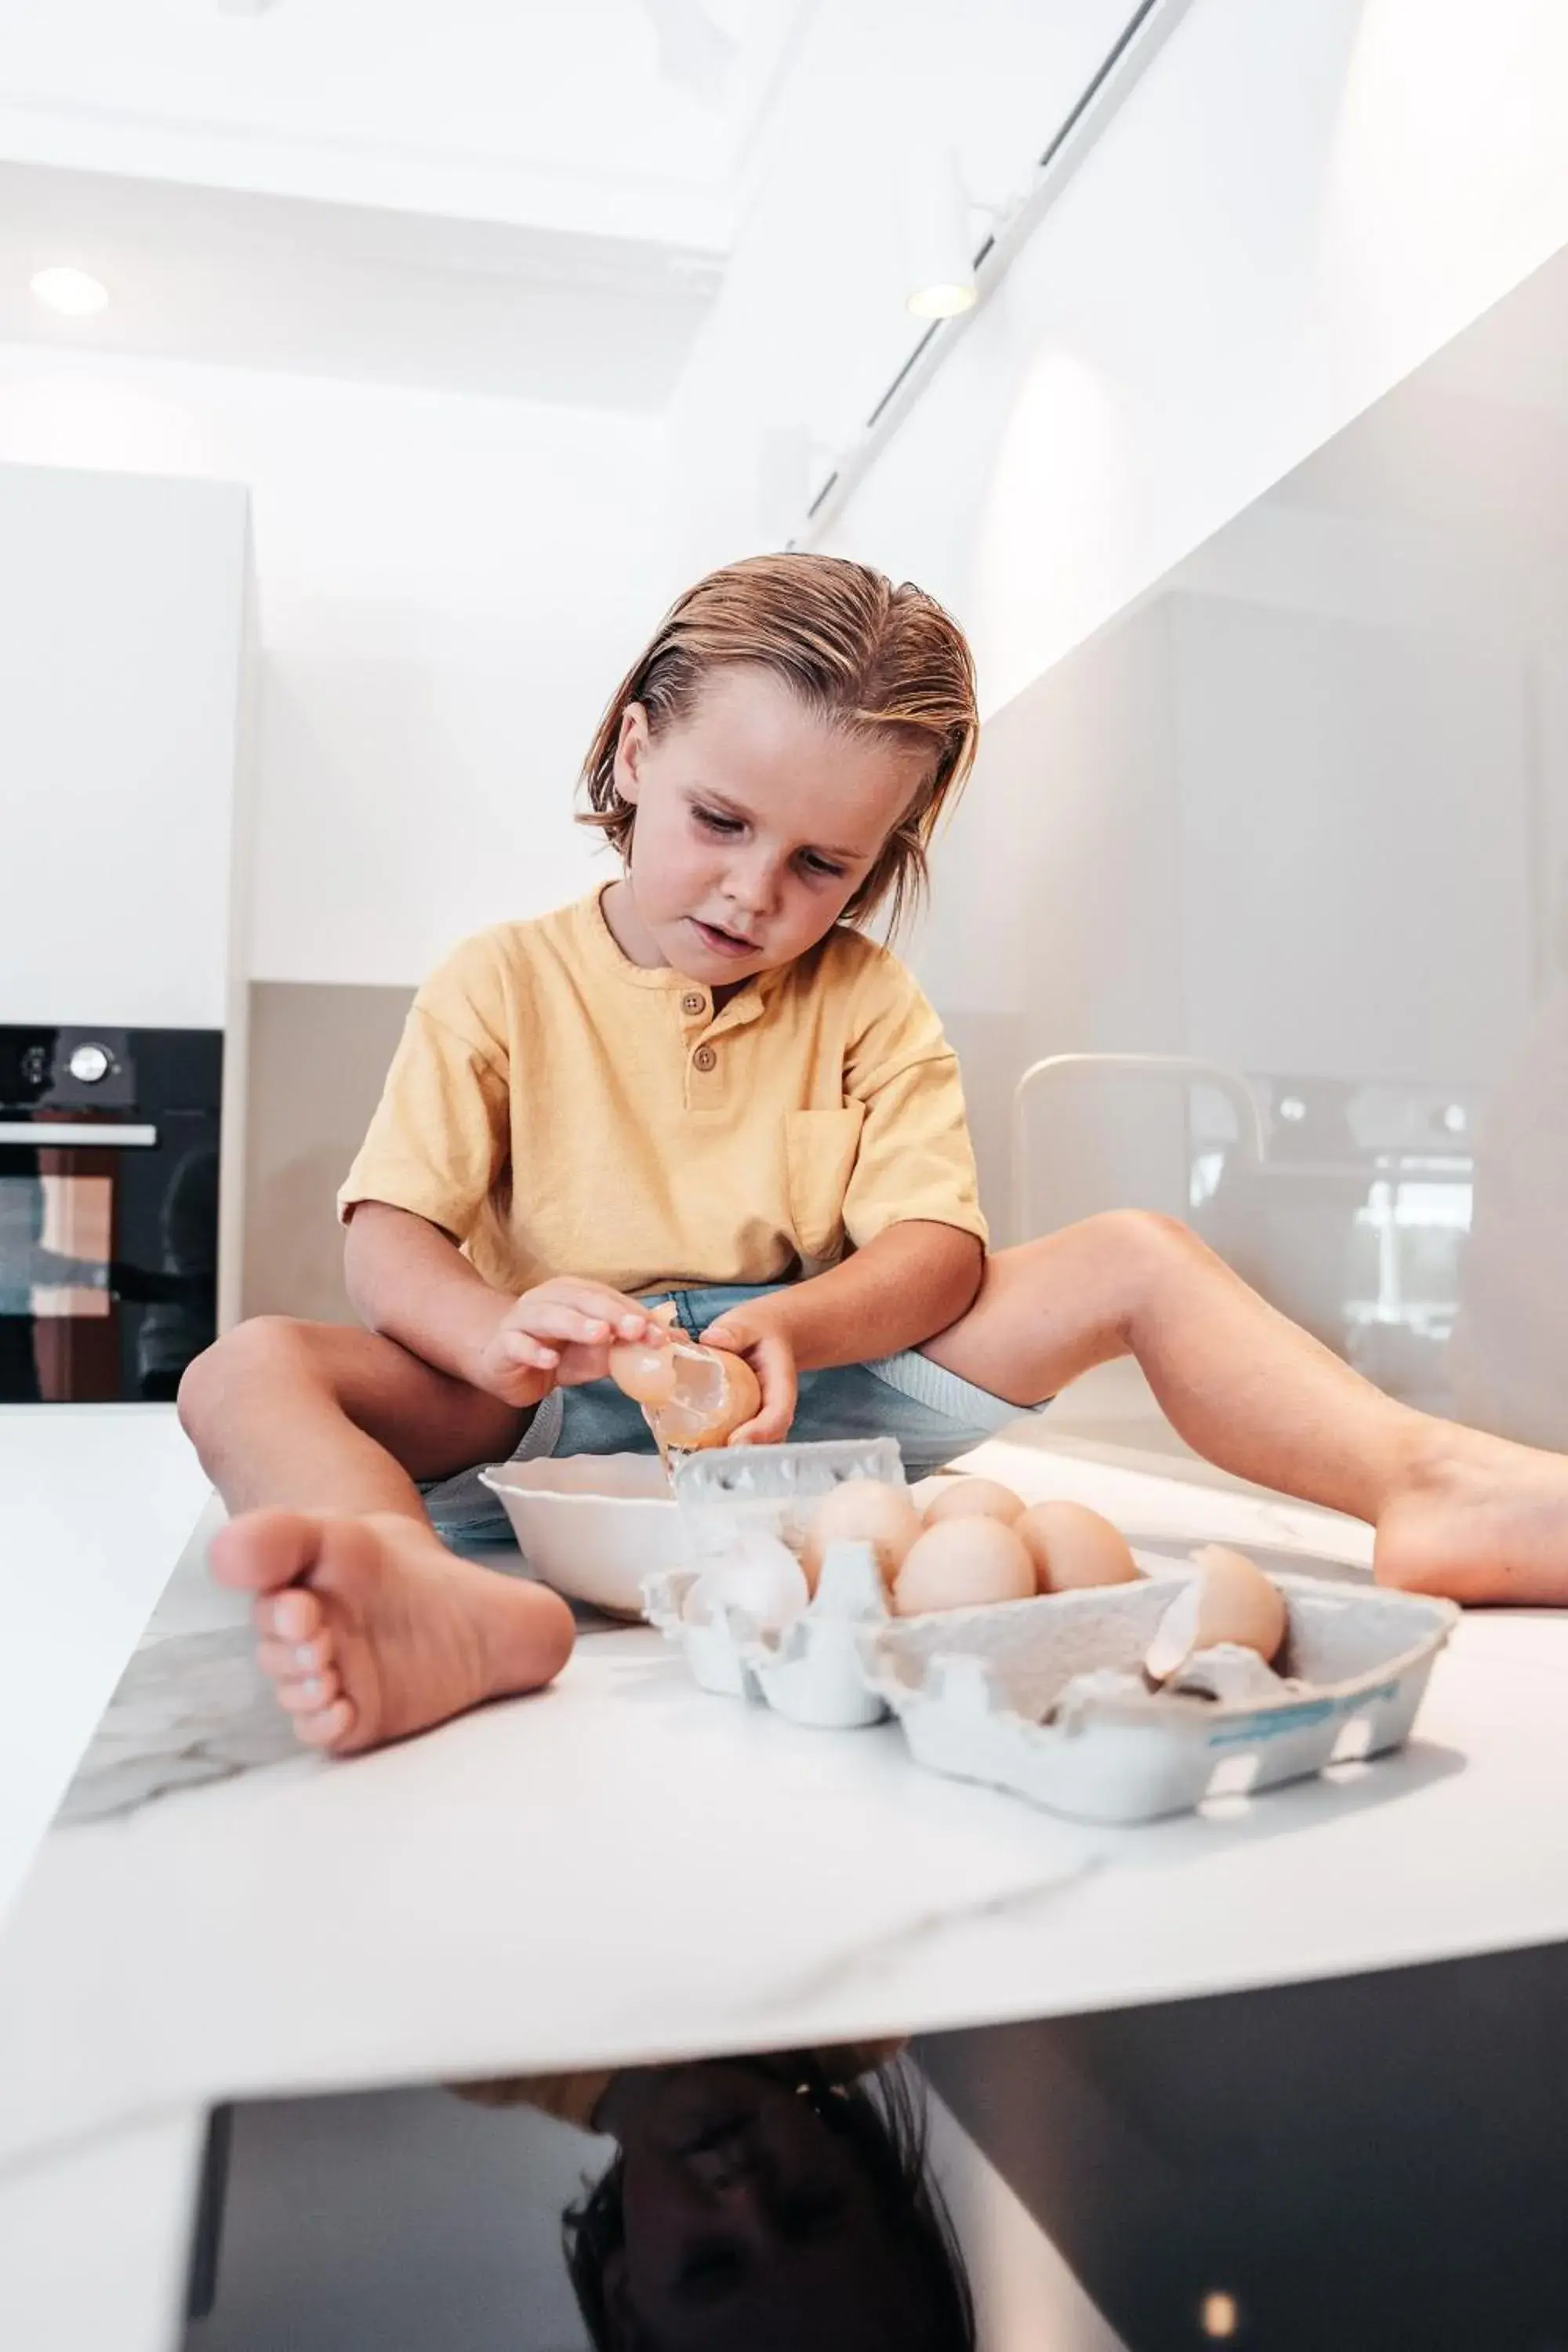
x: 643, y: 1372
x: 863, y: 1511
x: 695, y: 1397
x: 1229, y: 1599
x: 741, y: 1402
x: 964, y: 1498
x: 962, y: 1563
x: 1072, y: 1546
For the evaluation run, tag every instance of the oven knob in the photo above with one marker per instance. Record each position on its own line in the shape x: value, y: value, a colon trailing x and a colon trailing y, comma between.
x: 91, y: 1063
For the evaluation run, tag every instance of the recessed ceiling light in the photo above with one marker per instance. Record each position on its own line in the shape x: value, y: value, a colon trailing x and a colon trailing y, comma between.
x: 245, y: 8
x: 72, y: 292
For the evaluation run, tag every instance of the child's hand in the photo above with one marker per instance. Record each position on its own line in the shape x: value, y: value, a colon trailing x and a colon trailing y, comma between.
x: 761, y: 1338
x: 559, y: 1335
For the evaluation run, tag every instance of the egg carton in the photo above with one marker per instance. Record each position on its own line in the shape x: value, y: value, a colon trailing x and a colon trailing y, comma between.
x: 812, y: 1670
x: 984, y: 1695
x: 732, y: 1493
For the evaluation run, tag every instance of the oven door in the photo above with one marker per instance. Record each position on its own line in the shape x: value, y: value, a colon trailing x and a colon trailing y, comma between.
x: 108, y: 1254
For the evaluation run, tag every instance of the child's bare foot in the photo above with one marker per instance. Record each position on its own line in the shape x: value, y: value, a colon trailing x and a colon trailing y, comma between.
x: 371, y: 1629
x: 1479, y: 1520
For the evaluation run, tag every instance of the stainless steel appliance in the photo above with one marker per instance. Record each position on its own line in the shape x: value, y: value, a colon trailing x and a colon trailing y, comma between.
x: 1355, y: 1220
x: 108, y: 1211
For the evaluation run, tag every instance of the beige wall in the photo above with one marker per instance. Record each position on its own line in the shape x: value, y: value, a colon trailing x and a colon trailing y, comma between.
x: 317, y: 1056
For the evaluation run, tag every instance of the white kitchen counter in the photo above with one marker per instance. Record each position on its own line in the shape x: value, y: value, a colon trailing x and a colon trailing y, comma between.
x: 95, y: 2240
x: 626, y: 1867
x: 96, y: 1503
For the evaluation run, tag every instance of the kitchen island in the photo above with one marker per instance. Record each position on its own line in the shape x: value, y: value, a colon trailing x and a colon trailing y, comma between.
x: 623, y: 1867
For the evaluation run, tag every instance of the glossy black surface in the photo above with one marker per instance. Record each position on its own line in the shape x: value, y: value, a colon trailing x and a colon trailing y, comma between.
x: 161, y: 1276
x: 767, y: 2203
x: 1368, y: 2163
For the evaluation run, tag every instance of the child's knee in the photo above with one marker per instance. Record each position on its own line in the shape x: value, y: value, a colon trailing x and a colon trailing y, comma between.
x: 1127, y: 1242
x: 268, y: 1347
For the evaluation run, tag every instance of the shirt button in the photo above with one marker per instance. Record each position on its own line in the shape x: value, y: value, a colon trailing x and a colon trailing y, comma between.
x: 704, y: 1058
x: 692, y: 1002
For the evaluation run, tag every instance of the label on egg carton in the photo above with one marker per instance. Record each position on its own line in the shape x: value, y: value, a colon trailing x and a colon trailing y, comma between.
x: 807, y: 1666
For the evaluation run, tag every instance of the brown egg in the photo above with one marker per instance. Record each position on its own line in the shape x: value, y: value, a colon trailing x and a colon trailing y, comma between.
x: 1072, y: 1546
x: 964, y: 1498
x: 1229, y: 1599
x: 960, y: 1564
x: 863, y: 1510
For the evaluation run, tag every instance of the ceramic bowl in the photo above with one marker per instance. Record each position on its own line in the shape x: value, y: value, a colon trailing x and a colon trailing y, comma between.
x: 592, y: 1525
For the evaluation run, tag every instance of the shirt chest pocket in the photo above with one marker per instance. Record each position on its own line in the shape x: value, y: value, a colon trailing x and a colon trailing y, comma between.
x: 820, y: 1150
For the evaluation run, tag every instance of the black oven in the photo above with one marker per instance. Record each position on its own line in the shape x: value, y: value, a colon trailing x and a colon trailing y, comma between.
x: 108, y: 1211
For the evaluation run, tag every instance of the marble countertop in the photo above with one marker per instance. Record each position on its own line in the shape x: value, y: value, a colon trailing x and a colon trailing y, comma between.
x: 625, y: 1867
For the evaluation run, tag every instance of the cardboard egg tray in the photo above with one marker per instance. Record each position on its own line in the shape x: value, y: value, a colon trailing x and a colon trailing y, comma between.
x: 972, y: 1687
x: 811, y: 1671
x: 731, y: 1492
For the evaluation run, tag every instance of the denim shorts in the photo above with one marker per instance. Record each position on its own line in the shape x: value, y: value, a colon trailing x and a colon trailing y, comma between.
x: 933, y: 1414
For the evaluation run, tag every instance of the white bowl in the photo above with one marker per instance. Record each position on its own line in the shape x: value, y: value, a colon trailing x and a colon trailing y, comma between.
x: 593, y: 1525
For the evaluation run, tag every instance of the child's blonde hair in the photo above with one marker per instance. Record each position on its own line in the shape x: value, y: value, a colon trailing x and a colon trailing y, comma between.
x: 859, y: 652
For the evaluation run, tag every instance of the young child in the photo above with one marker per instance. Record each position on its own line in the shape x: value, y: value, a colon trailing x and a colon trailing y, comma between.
x: 706, y: 1083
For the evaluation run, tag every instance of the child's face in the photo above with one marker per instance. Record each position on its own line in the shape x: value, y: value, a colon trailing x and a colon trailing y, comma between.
x: 750, y: 2224
x: 757, y: 824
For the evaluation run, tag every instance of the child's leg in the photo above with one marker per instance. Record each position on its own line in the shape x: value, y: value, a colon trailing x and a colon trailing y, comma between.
x: 370, y: 1628
x: 319, y: 1417
x: 1456, y: 1512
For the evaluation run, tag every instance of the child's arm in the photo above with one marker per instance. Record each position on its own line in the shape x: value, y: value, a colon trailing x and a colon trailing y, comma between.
x: 411, y: 1283
x: 901, y: 1289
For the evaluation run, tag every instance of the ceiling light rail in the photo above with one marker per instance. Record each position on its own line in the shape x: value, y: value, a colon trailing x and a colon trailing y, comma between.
x: 1133, y: 52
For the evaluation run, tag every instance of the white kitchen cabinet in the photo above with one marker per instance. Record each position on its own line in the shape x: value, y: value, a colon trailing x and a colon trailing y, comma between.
x: 124, y: 620
x: 127, y: 629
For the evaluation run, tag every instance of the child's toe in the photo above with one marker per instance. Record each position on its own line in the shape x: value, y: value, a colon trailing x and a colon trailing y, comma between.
x: 310, y: 1694
x: 327, y: 1726
x: 293, y: 1618
x: 262, y: 1550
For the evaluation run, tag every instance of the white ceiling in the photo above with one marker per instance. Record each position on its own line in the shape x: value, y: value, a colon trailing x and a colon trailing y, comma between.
x: 345, y: 290
x: 532, y: 198
x: 525, y: 197
x: 626, y: 118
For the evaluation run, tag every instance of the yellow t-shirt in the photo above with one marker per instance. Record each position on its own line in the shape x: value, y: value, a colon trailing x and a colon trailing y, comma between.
x: 558, y: 1110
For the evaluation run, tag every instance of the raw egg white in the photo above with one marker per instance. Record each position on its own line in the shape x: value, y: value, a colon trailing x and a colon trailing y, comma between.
x: 965, y: 1498
x: 1229, y: 1599
x: 962, y: 1563
x: 1072, y: 1546
x: 862, y: 1510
